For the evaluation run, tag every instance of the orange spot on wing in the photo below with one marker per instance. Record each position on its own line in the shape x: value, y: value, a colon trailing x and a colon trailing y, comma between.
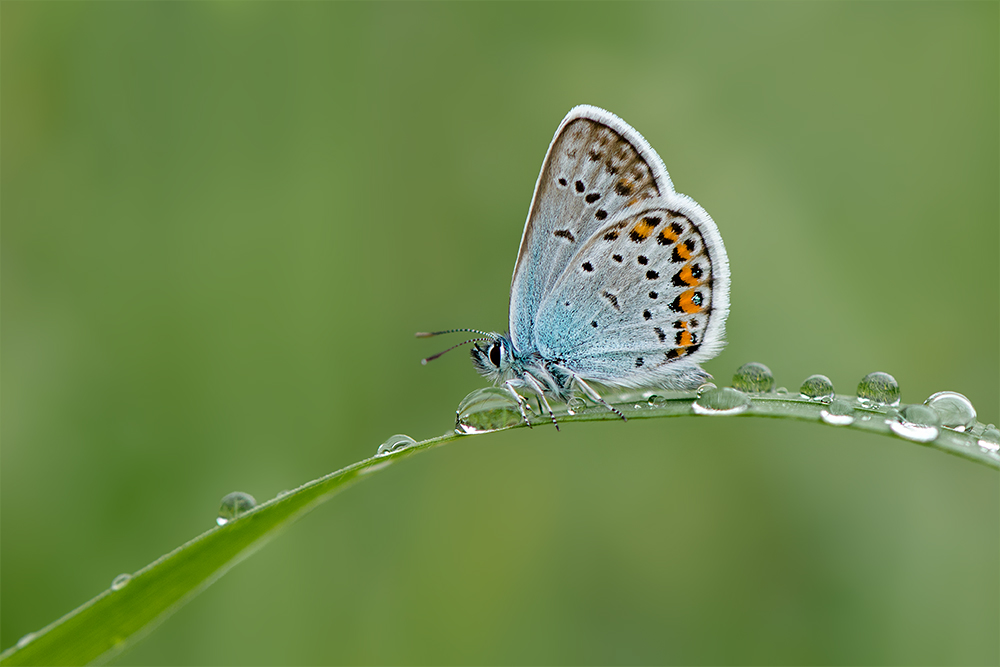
x: 687, y: 303
x: 687, y: 277
x: 686, y: 339
x: 642, y: 230
x: 683, y: 252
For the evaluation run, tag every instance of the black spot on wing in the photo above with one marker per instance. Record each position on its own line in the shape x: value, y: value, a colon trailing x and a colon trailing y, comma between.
x: 565, y: 234
x: 612, y: 299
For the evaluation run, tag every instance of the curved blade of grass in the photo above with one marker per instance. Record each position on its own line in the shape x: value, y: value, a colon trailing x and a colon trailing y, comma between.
x: 114, y: 620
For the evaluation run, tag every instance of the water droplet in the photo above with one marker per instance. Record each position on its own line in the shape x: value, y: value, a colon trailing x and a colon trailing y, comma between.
x: 233, y: 506
x: 575, y: 404
x: 656, y: 401
x: 121, y: 581
x: 705, y: 387
x: 395, y: 443
x: 725, y: 401
x: 781, y: 391
x: 817, y: 388
x: 753, y: 377
x: 955, y: 410
x: 878, y: 389
x: 915, y: 422
x: 485, y: 410
x: 26, y: 639
x: 990, y: 442
x: 838, y: 413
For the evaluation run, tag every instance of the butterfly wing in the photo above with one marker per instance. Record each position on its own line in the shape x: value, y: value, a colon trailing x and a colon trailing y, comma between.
x: 643, y: 300
x: 596, y: 166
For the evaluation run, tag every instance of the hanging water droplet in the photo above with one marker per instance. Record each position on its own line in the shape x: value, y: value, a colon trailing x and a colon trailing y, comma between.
x: 121, y: 581
x: 395, y: 443
x: 725, y: 401
x: 753, y: 378
x: 955, y: 410
x: 575, y: 404
x: 838, y: 413
x: 656, y: 401
x: 878, y: 389
x: 485, y: 410
x: 918, y: 423
x: 817, y: 388
x: 233, y: 506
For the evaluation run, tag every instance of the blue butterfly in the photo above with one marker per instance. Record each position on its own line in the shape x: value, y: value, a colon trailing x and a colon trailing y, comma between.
x: 620, y: 281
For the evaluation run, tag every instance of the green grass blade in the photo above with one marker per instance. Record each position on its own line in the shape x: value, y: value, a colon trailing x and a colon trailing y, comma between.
x: 112, y: 621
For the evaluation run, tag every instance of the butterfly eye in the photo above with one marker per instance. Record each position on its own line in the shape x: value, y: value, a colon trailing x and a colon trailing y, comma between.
x: 495, y: 354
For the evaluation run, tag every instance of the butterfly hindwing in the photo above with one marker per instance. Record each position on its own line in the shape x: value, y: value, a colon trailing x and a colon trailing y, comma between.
x: 596, y: 166
x: 644, y: 299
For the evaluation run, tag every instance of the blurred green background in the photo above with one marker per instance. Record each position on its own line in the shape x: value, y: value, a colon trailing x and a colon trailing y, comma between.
x: 222, y: 223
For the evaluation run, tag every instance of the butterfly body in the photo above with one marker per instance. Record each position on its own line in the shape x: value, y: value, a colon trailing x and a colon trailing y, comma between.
x: 619, y: 280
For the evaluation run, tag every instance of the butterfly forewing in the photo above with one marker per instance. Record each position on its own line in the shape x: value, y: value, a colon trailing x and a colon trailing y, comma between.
x: 597, y: 165
x: 638, y: 299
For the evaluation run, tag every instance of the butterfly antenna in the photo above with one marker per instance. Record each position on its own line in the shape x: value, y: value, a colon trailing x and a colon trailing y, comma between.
x: 428, y: 334
x: 435, y: 356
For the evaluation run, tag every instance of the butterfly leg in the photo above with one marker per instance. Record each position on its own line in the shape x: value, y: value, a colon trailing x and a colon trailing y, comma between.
x: 537, y: 388
x: 594, y: 396
x: 509, y: 384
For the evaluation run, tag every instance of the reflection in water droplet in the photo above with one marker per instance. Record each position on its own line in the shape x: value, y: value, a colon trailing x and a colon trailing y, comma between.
x: 485, y: 410
x: 878, y: 389
x: 395, y: 443
x: 121, y: 581
x: 817, y: 388
x: 955, y: 410
x: 26, y: 639
x: 753, y: 378
x: 705, y: 387
x: 575, y: 404
x: 838, y: 413
x: 915, y: 422
x: 656, y: 401
x: 990, y: 439
x: 233, y: 506
x: 725, y: 401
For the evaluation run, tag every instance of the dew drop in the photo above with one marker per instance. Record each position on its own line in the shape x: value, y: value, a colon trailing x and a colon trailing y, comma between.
x: 121, y: 581
x: 918, y: 423
x: 705, y: 387
x: 955, y: 410
x: 838, y: 413
x: 233, y: 506
x: 395, y: 443
x: 656, y: 401
x: 725, y: 401
x: 575, y: 404
x: 781, y: 391
x: 817, y: 388
x: 26, y: 639
x: 878, y: 389
x: 753, y: 377
x: 989, y: 441
x: 485, y: 410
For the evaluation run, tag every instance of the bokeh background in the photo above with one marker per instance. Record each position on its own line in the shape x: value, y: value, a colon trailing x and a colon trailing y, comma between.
x: 222, y: 223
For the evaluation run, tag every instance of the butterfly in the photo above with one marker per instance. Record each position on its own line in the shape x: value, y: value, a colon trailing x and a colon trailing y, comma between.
x: 619, y: 281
